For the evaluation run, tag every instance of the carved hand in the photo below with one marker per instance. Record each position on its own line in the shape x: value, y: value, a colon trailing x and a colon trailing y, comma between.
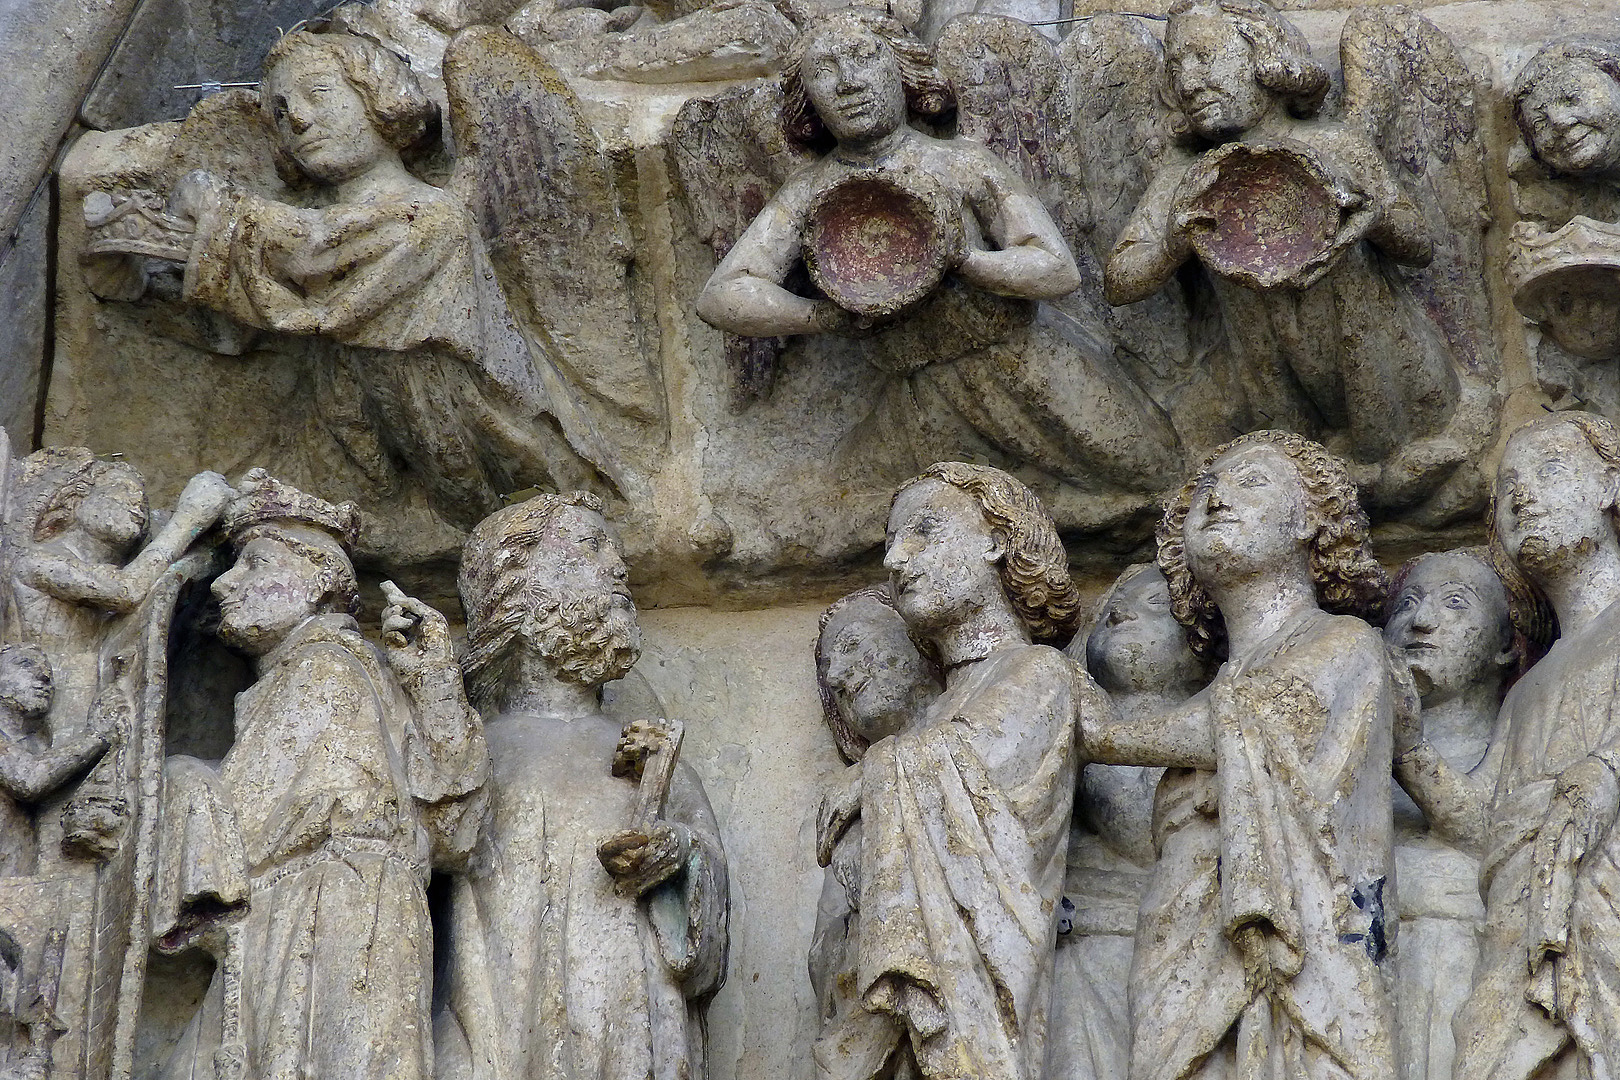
x: 839, y: 809
x: 416, y: 638
x: 205, y: 497
x: 642, y: 859
x: 197, y: 193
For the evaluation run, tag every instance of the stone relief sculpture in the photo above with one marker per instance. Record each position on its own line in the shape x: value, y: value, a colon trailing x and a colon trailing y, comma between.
x: 1564, y: 267
x: 1542, y: 998
x: 1261, y: 941
x: 430, y: 373
x: 300, y: 862
x: 1451, y: 623
x: 1138, y: 653
x: 874, y: 683
x: 935, y: 246
x: 1303, y: 226
x: 591, y: 926
x: 964, y: 814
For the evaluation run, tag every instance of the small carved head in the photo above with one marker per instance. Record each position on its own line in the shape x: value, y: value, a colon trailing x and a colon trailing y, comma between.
x: 1137, y: 644
x: 1556, y: 494
x: 104, y: 499
x: 1225, y: 62
x: 25, y: 681
x: 958, y: 531
x: 292, y: 562
x: 1567, y: 105
x: 872, y: 677
x: 546, y: 576
x: 338, y: 103
x: 1253, y: 506
x: 1450, y: 616
x: 854, y: 76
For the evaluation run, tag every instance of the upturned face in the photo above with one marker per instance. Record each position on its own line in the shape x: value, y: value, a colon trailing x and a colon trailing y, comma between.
x: 1210, y: 65
x: 1574, y: 119
x: 1451, y: 623
x: 941, y: 556
x: 320, y: 119
x: 114, y: 510
x: 1553, y: 497
x: 1137, y: 644
x: 853, y: 79
x: 25, y: 685
x: 265, y: 595
x: 1248, y: 514
x: 874, y: 672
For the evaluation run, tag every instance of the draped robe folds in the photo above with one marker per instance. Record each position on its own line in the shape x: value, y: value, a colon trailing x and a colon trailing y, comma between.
x: 550, y: 973
x: 965, y: 822
x: 430, y: 368
x: 324, y: 818
x: 1564, y: 710
x: 1290, y: 835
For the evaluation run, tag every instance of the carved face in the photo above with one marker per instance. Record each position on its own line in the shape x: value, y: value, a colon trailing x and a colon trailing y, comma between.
x: 1451, y: 623
x: 25, y: 684
x: 853, y: 80
x: 320, y: 119
x: 1210, y: 65
x: 581, y: 555
x: 265, y: 595
x: 1553, y: 497
x: 1137, y: 644
x: 114, y: 510
x: 1248, y: 514
x: 874, y: 672
x: 941, y: 556
x: 1574, y: 118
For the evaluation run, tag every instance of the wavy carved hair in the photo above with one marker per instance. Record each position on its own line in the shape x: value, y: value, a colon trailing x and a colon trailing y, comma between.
x: 58, y: 511
x: 928, y: 92
x: 395, y: 103
x: 1034, y: 568
x: 1554, y: 59
x: 1282, y: 58
x: 1348, y: 579
x: 498, y: 593
x: 1533, y: 615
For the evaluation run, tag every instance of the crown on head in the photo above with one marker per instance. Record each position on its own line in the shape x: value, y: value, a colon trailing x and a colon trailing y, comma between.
x: 273, y: 502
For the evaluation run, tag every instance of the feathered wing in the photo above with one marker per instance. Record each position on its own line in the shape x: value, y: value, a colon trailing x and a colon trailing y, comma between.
x: 541, y: 190
x: 731, y: 154
x: 1407, y: 89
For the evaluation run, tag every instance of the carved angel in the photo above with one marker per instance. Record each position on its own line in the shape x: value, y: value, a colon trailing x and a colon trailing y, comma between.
x: 927, y: 251
x: 445, y: 370
x: 1342, y: 253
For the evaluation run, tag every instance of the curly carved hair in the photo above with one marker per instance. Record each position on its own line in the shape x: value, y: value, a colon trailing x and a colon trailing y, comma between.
x: 1034, y: 567
x: 1282, y: 57
x: 1348, y: 579
x: 1533, y: 616
x: 498, y: 593
x: 1550, y: 62
x: 57, y: 513
x: 395, y: 103
x: 928, y: 92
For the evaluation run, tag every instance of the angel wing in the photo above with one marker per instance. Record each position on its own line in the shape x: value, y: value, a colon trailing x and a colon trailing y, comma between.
x: 541, y: 190
x: 731, y: 154
x: 1407, y: 88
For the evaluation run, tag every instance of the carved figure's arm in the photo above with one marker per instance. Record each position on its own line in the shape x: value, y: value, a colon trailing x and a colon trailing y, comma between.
x: 1183, y: 737
x: 29, y: 777
x: 1033, y: 262
x: 1401, y: 233
x: 690, y: 912
x: 745, y: 294
x: 1150, y: 248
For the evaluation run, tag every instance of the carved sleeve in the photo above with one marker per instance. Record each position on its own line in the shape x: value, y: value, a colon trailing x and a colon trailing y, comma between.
x: 446, y: 763
x: 690, y: 912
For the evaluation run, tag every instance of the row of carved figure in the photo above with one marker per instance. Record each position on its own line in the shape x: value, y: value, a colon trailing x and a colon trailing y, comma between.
x: 1087, y: 263
x: 993, y: 866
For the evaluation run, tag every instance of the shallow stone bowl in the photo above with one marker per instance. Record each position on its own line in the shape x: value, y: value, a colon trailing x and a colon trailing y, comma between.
x: 878, y: 242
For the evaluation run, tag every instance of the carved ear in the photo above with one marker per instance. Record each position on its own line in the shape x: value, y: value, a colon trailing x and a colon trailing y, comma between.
x: 996, y: 548
x: 1611, y: 492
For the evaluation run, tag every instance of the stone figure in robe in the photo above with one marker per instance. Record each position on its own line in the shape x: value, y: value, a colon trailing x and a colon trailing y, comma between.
x: 964, y: 366
x: 301, y: 861
x: 1262, y: 943
x: 1138, y: 654
x: 1545, y: 992
x: 965, y: 814
x: 589, y: 931
x: 1326, y: 330
x: 1451, y: 624
x: 874, y: 683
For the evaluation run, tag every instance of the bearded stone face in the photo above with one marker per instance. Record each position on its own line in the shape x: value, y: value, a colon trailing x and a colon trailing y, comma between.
x: 591, y: 637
